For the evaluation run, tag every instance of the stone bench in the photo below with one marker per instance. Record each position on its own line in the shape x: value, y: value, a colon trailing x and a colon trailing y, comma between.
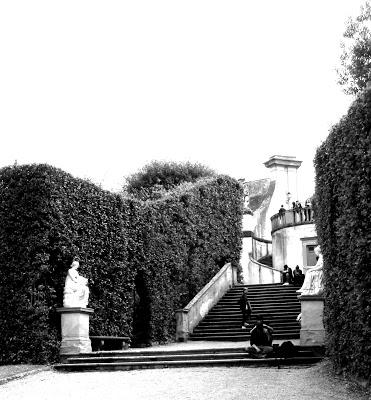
x: 109, y: 342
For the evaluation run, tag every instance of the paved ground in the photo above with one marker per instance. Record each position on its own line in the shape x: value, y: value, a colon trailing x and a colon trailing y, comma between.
x: 7, y: 371
x: 218, y: 383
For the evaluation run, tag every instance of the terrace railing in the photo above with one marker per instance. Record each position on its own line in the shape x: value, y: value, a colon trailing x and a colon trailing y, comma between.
x: 292, y: 217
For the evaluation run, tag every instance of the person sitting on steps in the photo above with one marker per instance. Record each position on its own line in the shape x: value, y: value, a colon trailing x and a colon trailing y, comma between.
x: 261, y: 339
x: 298, y: 277
x: 286, y: 275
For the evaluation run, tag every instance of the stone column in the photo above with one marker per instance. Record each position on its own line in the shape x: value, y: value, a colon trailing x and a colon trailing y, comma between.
x: 182, y: 325
x: 312, y: 332
x: 75, y: 330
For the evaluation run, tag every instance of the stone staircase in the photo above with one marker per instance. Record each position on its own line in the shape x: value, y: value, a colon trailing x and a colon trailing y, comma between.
x: 278, y: 304
x: 212, y: 357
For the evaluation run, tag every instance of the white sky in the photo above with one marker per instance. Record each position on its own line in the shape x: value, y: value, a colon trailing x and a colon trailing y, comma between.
x: 100, y: 88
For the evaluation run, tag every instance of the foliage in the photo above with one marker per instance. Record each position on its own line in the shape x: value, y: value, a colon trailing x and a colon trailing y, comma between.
x: 143, y: 259
x: 154, y: 179
x: 343, y: 202
x: 47, y: 218
x: 355, y: 59
x: 190, y: 234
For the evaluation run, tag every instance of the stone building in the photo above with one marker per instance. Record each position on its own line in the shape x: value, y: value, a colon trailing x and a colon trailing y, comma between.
x: 273, y: 238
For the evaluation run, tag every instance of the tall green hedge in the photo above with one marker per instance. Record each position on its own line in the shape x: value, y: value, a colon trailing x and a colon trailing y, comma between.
x: 190, y: 234
x: 143, y: 259
x: 343, y: 197
x: 48, y: 217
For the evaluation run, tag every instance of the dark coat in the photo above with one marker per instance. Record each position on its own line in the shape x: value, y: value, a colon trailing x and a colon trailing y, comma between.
x: 244, y: 303
x: 261, y: 335
x: 289, y: 276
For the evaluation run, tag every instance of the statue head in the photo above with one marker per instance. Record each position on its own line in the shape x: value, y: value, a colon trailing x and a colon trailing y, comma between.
x: 317, y: 250
x: 75, y: 264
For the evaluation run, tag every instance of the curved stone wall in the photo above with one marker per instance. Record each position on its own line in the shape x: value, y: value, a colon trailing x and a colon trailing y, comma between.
x: 290, y: 245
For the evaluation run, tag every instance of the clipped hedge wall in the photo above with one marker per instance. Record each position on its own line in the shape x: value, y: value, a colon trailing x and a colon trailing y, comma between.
x: 47, y: 217
x: 343, y: 198
x: 189, y: 235
x: 157, y: 177
x: 143, y: 259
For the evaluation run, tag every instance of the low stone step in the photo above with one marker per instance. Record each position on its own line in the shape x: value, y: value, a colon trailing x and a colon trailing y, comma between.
x: 160, y: 357
x: 264, y: 308
x: 238, y: 327
x: 226, y: 328
x: 265, y: 313
x: 205, y: 355
x: 264, y: 285
x: 144, y: 352
x: 236, y: 338
x: 263, y: 293
x: 287, y: 315
x: 236, y: 322
x: 256, y: 298
x: 265, y: 300
x: 242, y: 332
x: 242, y: 362
x: 265, y: 288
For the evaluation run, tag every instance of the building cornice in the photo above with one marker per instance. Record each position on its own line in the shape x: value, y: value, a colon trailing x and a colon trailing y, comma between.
x: 283, y: 161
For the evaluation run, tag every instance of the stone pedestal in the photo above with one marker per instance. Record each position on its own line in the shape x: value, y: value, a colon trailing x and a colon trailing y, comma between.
x: 312, y: 332
x: 75, y: 330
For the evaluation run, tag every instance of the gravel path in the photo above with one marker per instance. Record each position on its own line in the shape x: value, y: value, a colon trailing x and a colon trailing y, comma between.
x: 217, y: 383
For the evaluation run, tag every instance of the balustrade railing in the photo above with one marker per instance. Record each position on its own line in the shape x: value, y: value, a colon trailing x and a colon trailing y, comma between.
x: 261, y: 248
x: 292, y: 217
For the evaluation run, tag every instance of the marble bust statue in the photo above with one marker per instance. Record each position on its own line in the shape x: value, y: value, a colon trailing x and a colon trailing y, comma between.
x: 76, y: 291
x: 313, y: 284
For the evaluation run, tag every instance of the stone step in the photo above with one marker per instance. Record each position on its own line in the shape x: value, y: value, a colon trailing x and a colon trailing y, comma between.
x: 242, y: 362
x: 255, y: 307
x: 166, y: 350
x: 165, y: 356
x: 267, y: 314
x: 237, y: 324
x: 260, y: 299
x: 264, y: 287
x: 236, y: 338
x: 278, y: 304
x: 267, y: 317
x: 263, y: 294
x: 239, y: 332
x: 239, y: 329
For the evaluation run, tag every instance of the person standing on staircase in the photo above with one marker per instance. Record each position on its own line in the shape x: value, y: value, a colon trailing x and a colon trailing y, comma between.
x: 245, y: 308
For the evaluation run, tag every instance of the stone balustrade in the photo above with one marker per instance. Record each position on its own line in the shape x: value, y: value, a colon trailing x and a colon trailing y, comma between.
x: 257, y: 273
x: 189, y: 317
x: 292, y: 217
